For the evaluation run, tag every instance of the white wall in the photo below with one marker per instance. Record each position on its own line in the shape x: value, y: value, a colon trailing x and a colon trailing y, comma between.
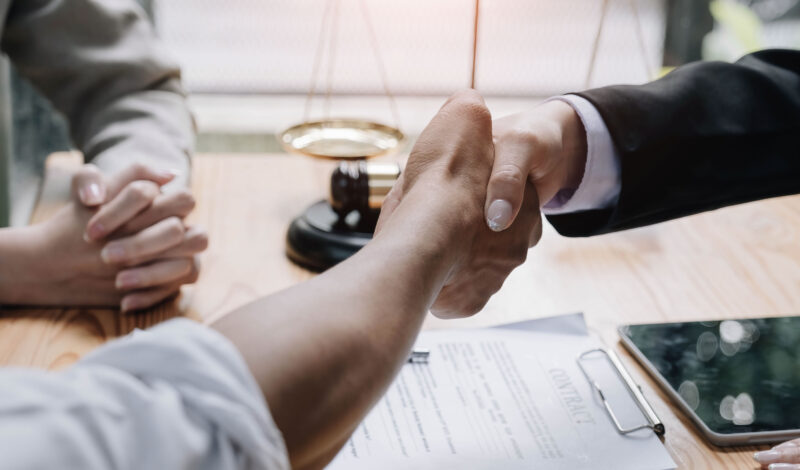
x: 527, y: 47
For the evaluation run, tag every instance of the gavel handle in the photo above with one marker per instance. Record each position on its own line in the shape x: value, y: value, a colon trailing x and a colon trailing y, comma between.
x: 361, y: 186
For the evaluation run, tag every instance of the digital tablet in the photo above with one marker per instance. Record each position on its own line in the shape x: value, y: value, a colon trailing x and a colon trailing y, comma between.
x: 738, y: 380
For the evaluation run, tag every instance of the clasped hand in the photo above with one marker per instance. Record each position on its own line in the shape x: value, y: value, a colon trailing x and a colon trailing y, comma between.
x: 119, y: 242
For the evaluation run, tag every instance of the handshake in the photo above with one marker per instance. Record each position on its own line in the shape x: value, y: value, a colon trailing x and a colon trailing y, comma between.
x: 471, y: 191
x: 476, y: 187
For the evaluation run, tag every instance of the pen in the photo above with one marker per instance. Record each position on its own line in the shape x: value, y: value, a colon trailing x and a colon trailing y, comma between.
x: 418, y: 356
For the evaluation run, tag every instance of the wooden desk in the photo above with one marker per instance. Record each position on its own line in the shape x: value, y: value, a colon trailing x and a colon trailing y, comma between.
x: 737, y: 262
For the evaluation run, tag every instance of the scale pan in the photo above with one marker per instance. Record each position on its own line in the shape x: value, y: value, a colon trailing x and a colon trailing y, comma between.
x: 341, y: 139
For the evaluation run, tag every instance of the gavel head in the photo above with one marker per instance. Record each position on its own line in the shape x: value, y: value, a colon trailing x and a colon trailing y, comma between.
x: 361, y: 186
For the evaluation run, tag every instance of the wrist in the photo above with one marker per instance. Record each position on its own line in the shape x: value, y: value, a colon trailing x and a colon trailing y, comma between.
x: 434, y: 224
x: 573, y: 145
x: 21, y: 251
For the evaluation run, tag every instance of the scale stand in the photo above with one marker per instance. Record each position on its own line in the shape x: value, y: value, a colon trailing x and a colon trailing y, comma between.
x: 319, y: 239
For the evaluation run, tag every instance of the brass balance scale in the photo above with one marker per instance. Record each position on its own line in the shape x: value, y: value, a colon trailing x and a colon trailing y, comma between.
x: 330, y: 231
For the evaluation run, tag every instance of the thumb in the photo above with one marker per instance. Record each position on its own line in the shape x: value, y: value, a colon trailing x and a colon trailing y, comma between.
x: 89, y: 186
x: 506, y: 187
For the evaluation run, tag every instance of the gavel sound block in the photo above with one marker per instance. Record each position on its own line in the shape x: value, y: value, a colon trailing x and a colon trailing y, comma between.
x: 330, y: 231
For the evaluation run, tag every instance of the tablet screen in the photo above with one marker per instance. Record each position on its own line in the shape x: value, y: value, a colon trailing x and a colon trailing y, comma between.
x: 737, y: 375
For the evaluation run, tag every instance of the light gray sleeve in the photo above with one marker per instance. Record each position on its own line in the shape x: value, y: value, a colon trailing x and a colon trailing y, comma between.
x: 101, y: 65
x: 176, y: 396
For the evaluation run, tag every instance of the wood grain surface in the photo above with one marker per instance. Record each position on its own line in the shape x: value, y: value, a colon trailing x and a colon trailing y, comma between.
x: 732, y: 263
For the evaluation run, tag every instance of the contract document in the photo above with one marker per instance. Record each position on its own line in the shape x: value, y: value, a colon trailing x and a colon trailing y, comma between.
x: 508, y: 398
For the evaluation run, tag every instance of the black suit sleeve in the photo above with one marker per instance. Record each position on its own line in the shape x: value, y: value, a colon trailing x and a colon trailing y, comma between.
x: 705, y: 136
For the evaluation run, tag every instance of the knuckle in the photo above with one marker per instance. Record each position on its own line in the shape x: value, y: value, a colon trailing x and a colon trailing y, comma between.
x: 88, y: 170
x: 473, y: 307
x: 185, y: 266
x: 509, y: 173
x: 448, y: 306
x: 470, y: 103
x: 144, y: 276
x: 138, y: 169
x: 466, y: 95
x: 142, y: 191
x: 517, y: 254
x: 184, y: 200
x: 200, y: 242
x: 446, y: 312
x: 478, y: 114
x: 174, y: 228
x: 476, y: 109
x: 537, y: 147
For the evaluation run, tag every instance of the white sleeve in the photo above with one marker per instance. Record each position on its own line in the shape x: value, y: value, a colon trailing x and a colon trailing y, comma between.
x: 176, y: 396
x: 600, y: 185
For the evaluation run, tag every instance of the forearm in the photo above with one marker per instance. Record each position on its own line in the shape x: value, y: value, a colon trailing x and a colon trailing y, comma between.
x: 161, y: 136
x: 323, y: 352
x: 705, y: 136
x: 18, y: 253
x: 102, y: 66
x: 177, y: 395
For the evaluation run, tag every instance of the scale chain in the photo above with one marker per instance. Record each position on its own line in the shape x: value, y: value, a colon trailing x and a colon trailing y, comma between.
x: 329, y: 28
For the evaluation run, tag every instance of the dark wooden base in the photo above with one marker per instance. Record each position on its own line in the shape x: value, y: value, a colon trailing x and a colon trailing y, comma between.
x: 319, y: 238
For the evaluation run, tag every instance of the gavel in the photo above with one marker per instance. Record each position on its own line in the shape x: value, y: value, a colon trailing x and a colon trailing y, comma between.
x: 361, y: 186
x: 331, y: 230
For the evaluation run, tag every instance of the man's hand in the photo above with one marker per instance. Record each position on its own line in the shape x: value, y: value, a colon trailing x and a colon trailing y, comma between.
x: 455, y: 153
x: 545, y: 146
x: 429, y: 235
x: 534, y: 156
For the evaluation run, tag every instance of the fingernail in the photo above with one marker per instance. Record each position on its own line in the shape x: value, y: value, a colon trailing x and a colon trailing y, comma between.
x: 168, y: 174
x: 767, y: 456
x: 112, y: 253
x: 95, y: 232
x: 784, y: 466
x: 91, y: 194
x: 127, y: 305
x: 499, y: 215
x: 127, y: 280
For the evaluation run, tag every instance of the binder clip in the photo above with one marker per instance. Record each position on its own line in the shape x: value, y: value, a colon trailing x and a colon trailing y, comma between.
x: 635, y: 391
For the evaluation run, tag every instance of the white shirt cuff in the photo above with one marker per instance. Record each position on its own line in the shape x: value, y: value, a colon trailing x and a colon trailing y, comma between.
x: 599, y: 188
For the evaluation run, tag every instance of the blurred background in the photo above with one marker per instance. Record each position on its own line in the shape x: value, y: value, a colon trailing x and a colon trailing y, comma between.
x: 249, y: 65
